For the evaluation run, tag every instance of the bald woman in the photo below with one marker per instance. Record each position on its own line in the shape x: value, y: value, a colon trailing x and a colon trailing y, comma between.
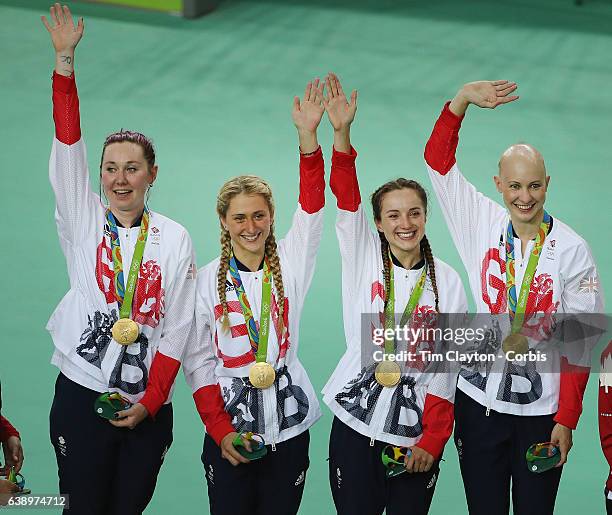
x: 504, y: 406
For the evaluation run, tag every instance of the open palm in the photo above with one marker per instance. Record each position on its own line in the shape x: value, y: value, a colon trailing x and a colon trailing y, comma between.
x: 307, y: 113
x: 65, y: 36
x: 490, y: 94
x: 341, y: 113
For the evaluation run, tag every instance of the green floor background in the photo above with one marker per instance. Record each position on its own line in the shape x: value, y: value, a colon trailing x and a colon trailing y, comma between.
x: 216, y: 95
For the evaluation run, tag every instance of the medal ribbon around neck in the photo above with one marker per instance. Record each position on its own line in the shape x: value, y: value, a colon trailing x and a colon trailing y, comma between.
x: 257, y: 337
x: 390, y: 306
x: 125, y: 293
x: 517, y: 307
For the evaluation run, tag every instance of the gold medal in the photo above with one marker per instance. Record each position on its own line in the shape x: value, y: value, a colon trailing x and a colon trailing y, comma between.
x: 125, y: 331
x: 262, y: 375
x: 516, y: 343
x: 387, y: 373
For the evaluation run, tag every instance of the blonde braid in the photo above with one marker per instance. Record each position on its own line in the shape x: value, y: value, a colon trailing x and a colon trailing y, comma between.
x: 226, y: 251
x: 275, y: 268
x: 248, y: 185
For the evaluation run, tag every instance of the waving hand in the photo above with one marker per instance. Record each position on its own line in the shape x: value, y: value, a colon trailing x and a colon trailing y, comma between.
x: 484, y: 93
x: 340, y: 112
x: 307, y: 115
x: 65, y: 37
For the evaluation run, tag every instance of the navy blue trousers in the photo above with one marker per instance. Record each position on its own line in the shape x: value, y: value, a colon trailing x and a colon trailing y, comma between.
x: 103, y: 469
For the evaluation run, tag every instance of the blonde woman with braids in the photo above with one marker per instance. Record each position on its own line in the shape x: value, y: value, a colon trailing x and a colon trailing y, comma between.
x: 243, y: 367
x: 385, y: 275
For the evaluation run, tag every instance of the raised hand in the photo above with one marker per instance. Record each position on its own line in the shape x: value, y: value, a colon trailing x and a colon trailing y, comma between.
x: 64, y: 35
x: 307, y: 115
x: 486, y: 94
x: 340, y: 112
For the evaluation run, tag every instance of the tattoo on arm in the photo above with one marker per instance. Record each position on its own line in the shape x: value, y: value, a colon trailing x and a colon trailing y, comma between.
x: 66, y: 59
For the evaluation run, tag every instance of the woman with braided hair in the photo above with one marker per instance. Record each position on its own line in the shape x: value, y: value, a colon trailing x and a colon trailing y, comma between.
x: 243, y: 365
x: 386, y: 278
x: 247, y: 185
x: 424, y: 247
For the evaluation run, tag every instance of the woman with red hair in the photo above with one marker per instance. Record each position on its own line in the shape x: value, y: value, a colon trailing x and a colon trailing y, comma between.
x: 122, y: 327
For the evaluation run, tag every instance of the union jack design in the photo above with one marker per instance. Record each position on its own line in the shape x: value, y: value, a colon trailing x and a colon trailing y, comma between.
x: 590, y: 285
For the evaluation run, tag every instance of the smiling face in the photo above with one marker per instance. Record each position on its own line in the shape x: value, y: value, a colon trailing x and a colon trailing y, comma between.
x: 402, y: 220
x: 126, y: 176
x: 522, y: 181
x: 249, y: 221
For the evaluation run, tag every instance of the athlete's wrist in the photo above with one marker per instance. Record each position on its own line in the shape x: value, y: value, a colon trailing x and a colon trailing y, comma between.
x: 459, y: 103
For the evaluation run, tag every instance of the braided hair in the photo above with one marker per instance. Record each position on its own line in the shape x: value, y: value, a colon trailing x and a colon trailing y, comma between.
x: 377, y: 198
x: 249, y: 185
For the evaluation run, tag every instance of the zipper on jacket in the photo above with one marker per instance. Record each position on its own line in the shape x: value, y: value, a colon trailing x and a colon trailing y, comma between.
x: 268, y: 393
x: 383, y: 399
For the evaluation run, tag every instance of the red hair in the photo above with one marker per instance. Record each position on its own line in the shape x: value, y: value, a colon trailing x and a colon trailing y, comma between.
x: 133, y: 137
